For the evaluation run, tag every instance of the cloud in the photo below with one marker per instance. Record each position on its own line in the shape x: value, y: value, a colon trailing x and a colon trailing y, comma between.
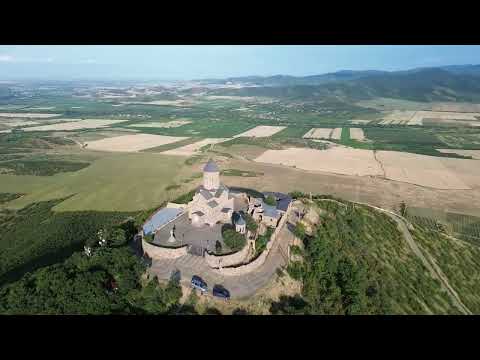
x: 6, y: 58
x: 14, y: 59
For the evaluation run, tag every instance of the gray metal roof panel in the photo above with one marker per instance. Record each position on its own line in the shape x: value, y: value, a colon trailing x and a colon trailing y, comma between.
x: 160, y: 218
x: 210, y: 166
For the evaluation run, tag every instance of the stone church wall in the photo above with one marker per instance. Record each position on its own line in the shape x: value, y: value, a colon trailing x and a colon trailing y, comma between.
x: 160, y: 252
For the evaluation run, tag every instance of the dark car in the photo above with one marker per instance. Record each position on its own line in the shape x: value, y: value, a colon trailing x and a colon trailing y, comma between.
x: 221, y: 292
x: 198, y: 283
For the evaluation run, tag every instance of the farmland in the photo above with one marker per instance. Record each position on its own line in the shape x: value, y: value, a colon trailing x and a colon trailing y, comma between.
x: 186, y: 124
x: 95, y: 157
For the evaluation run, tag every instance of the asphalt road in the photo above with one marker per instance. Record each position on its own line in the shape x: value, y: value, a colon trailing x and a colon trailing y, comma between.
x: 239, y: 286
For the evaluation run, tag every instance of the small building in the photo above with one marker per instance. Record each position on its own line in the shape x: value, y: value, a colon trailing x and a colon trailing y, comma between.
x: 264, y: 213
x: 240, y: 224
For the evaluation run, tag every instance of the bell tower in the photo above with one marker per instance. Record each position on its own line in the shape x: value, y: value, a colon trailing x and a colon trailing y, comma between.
x: 211, y: 176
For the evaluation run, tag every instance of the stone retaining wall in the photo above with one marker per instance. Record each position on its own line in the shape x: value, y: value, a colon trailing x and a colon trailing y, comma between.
x: 216, y: 261
x: 255, y: 264
x: 160, y: 252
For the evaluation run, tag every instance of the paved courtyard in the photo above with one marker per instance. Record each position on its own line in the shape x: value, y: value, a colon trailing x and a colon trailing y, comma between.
x: 200, y: 237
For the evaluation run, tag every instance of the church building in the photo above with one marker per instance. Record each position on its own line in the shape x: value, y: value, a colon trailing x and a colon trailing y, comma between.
x: 212, y: 203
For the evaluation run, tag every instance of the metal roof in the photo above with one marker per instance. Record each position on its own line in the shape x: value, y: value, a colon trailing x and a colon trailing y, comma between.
x: 211, y: 167
x: 239, y: 220
x: 212, y: 204
x: 270, y: 211
x: 160, y: 218
x: 206, y: 194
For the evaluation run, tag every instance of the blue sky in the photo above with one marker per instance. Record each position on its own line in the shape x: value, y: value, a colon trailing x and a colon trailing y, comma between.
x: 195, y: 62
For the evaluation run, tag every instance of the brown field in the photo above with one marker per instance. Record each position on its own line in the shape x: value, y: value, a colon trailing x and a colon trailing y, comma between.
x: 318, y: 133
x: 28, y: 115
x: 83, y: 137
x: 428, y: 171
x: 397, y: 117
x: 336, y: 134
x: 17, y: 122
x: 75, y: 125
x: 456, y: 107
x: 449, y: 122
x: 132, y: 143
x: 169, y: 124
x: 180, y: 103
x: 475, y: 154
x: 377, y: 191
x: 192, y: 149
x: 417, y: 119
x: 337, y: 159
x: 357, y: 134
x: 261, y: 131
x: 423, y: 170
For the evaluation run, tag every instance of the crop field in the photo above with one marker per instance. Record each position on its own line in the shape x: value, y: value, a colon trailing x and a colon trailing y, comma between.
x: 337, y: 159
x: 465, y: 227
x: 75, y: 125
x: 114, y: 182
x: 261, y: 131
x: 168, y: 124
x: 357, y: 134
x: 318, y: 133
x: 29, y: 115
x: 443, y: 117
x: 132, y: 143
x: 192, y: 149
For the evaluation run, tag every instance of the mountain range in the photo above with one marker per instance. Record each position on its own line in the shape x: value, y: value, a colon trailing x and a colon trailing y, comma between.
x: 446, y: 83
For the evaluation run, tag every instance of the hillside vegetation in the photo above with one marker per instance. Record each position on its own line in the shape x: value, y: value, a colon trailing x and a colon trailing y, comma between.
x: 357, y: 262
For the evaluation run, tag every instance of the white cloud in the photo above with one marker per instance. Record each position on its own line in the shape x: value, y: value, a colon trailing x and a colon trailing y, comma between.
x: 6, y: 58
x: 11, y: 58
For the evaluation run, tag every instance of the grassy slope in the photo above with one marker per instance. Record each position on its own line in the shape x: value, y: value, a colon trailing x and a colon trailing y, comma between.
x: 459, y: 260
x: 122, y: 182
x: 371, y: 240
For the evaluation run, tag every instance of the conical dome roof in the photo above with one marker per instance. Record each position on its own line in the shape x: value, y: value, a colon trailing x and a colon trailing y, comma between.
x: 210, y: 166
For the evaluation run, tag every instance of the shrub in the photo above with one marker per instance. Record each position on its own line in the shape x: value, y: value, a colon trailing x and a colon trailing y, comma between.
x: 270, y: 200
x: 234, y: 240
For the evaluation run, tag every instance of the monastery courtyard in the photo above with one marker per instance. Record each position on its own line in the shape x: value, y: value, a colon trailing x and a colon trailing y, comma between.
x: 198, y: 236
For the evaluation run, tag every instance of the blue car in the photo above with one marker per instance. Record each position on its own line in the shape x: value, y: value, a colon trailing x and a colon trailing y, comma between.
x: 221, y: 292
x: 198, y: 283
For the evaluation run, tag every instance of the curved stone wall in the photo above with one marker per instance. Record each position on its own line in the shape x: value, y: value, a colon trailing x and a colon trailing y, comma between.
x: 160, y: 252
x: 255, y: 264
x: 216, y: 261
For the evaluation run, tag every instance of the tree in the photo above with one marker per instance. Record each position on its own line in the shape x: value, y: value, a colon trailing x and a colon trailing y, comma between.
x: 270, y: 200
x: 251, y: 224
x: 116, y: 237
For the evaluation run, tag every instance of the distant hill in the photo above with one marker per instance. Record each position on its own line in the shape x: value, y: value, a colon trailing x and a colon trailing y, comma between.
x: 450, y: 83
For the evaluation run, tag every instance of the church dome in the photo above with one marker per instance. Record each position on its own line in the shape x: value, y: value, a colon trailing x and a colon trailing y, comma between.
x: 211, y: 167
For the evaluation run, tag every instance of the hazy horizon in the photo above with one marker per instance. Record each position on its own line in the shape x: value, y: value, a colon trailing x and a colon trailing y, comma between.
x: 193, y: 62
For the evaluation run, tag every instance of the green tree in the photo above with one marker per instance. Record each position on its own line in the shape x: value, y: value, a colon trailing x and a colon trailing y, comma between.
x: 116, y: 237
x: 270, y: 200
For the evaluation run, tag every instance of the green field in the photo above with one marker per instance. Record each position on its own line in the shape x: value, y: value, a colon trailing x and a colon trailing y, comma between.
x: 114, y: 182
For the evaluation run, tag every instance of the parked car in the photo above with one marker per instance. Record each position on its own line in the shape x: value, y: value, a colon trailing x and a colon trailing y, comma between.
x: 221, y: 292
x: 198, y: 283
